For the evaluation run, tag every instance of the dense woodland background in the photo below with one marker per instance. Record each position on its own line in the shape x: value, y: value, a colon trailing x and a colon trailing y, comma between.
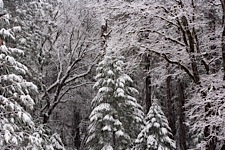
x: 54, y: 51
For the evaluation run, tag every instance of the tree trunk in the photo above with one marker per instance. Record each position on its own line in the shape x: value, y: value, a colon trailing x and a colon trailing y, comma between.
x: 181, y: 118
x: 114, y: 139
x: 190, y: 42
x: 191, y: 45
x: 76, y: 130
x: 45, y: 118
x: 63, y: 136
x: 223, y: 38
x: 148, y: 94
x: 170, y: 115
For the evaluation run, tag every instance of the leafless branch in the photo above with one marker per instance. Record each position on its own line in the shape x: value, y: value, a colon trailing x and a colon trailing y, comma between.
x: 174, y: 62
x: 73, y: 87
x: 167, y: 20
x: 170, y: 38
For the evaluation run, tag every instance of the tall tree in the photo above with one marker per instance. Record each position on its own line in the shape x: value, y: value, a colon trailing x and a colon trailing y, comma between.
x: 156, y: 134
x: 223, y: 35
x: 169, y: 104
x: 148, y: 89
x: 60, y: 45
x: 116, y: 116
x: 181, y: 142
x: 18, y: 130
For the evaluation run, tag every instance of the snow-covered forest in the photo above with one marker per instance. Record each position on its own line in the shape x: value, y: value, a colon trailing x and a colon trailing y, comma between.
x: 112, y: 74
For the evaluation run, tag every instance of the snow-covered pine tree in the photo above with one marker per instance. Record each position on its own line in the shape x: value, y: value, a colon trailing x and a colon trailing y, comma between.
x: 116, y: 116
x: 156, y: 133
x: 38, y: 21
x: 17, y: 129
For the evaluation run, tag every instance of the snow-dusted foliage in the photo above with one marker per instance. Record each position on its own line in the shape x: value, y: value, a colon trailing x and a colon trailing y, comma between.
x: 116, y: 116
x: 156, y: 133
x: 205, y: 112
x: 18, y: 130
x: 39, y: 28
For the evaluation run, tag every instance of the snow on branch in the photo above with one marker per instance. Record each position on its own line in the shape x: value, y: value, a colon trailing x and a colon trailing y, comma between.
x: 165, y: 19
x: 80, y: 75
x: 169, y: 38
x: 174, y: 62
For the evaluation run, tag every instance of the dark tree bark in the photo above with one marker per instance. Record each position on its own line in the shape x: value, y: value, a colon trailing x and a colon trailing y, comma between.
x: 148, y: 93
x: 223, y: 38
x: 148, y: 100
x: 191, y: 48
x: 76, y: 130
x: 114, y: 137
x: 169, y: 106
x: 190, y: 40
x: 181, y: 117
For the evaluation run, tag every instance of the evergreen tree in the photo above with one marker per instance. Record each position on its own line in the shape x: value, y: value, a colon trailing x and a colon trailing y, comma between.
x: 18, y: 130
x: 116, y: 116
x: 40, y: 32
x: 156, y: 133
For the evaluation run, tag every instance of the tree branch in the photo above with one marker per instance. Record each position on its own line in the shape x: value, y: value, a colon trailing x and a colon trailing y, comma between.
x: 170, y: 38
x: 174, y: 62
x: 167, y: 20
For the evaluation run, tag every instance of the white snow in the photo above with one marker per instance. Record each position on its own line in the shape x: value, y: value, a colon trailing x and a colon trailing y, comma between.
x: 7, y: 136
x: 117, y: 122
x: 153, y: 120
x: 121, y: 95
x: 17, y: 29
x: 14, y: 140
x: 110, y: 81
x: 16, y: 50
x: 119, y: 133
x: 101, y: 107
x: 27, y: 100
x: 108, y: 117
x: 98, y: 76
x: 107, y: 128
x: 131, y: 98
x: 30, y: 85
x: 121, y: 84
x: 6, y: 33
x: 131, y: 103
x: 156, y: 124
x: 119, y: 90
x: 11, y: 60
x: 104, y: 89
x: 4, y: 49
x: 110, y: 73
x: 26, y: 118
x: 1, y: 7
x: 107, y: 147
x: 92, y: 136
x: 2, y: 56
x: 127, y: 78
x: 152, y: 141
x: 164, y: 131
x: 22, y: 41
x: 12, y: 78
